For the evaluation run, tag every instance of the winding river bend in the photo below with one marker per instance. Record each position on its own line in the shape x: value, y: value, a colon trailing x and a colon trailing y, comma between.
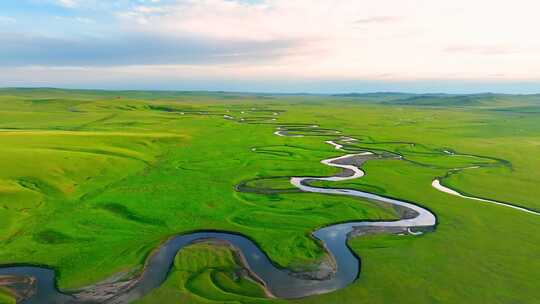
x: 437, y: 185
x: 281, y: 283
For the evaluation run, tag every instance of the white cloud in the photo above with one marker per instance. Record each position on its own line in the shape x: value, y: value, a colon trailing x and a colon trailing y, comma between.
x: 7, y: 20
x: 323, y: 39
x: 68, y: 3
x: 360, y: 38
x: 82, y: 20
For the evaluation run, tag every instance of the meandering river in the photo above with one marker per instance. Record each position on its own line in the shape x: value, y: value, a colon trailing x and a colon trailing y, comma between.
x: 282, y: 283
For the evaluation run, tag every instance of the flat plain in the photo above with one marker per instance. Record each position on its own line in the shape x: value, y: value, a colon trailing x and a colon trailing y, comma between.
x: 93, y: 181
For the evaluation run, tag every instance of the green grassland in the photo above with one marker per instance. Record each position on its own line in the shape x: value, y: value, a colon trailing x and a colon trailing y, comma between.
x: 93, y: 181
x: 205, y: 273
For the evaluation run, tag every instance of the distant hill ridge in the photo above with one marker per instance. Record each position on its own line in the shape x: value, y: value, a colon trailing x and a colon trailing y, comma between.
x: 439, y: 99
x: 388, y: 98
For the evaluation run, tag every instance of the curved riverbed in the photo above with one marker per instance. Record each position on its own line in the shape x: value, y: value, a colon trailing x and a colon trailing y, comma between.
x: 282, y: 283
x: 437, y: 185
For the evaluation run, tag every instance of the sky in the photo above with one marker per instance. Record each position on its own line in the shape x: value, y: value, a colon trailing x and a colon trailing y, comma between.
x: 315, y: 46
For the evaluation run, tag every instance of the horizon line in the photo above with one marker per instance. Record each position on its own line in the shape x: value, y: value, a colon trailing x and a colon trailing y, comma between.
x: 339, y: 94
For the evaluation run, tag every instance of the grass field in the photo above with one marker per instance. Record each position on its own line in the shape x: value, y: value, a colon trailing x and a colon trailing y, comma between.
x: 93, y: 181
